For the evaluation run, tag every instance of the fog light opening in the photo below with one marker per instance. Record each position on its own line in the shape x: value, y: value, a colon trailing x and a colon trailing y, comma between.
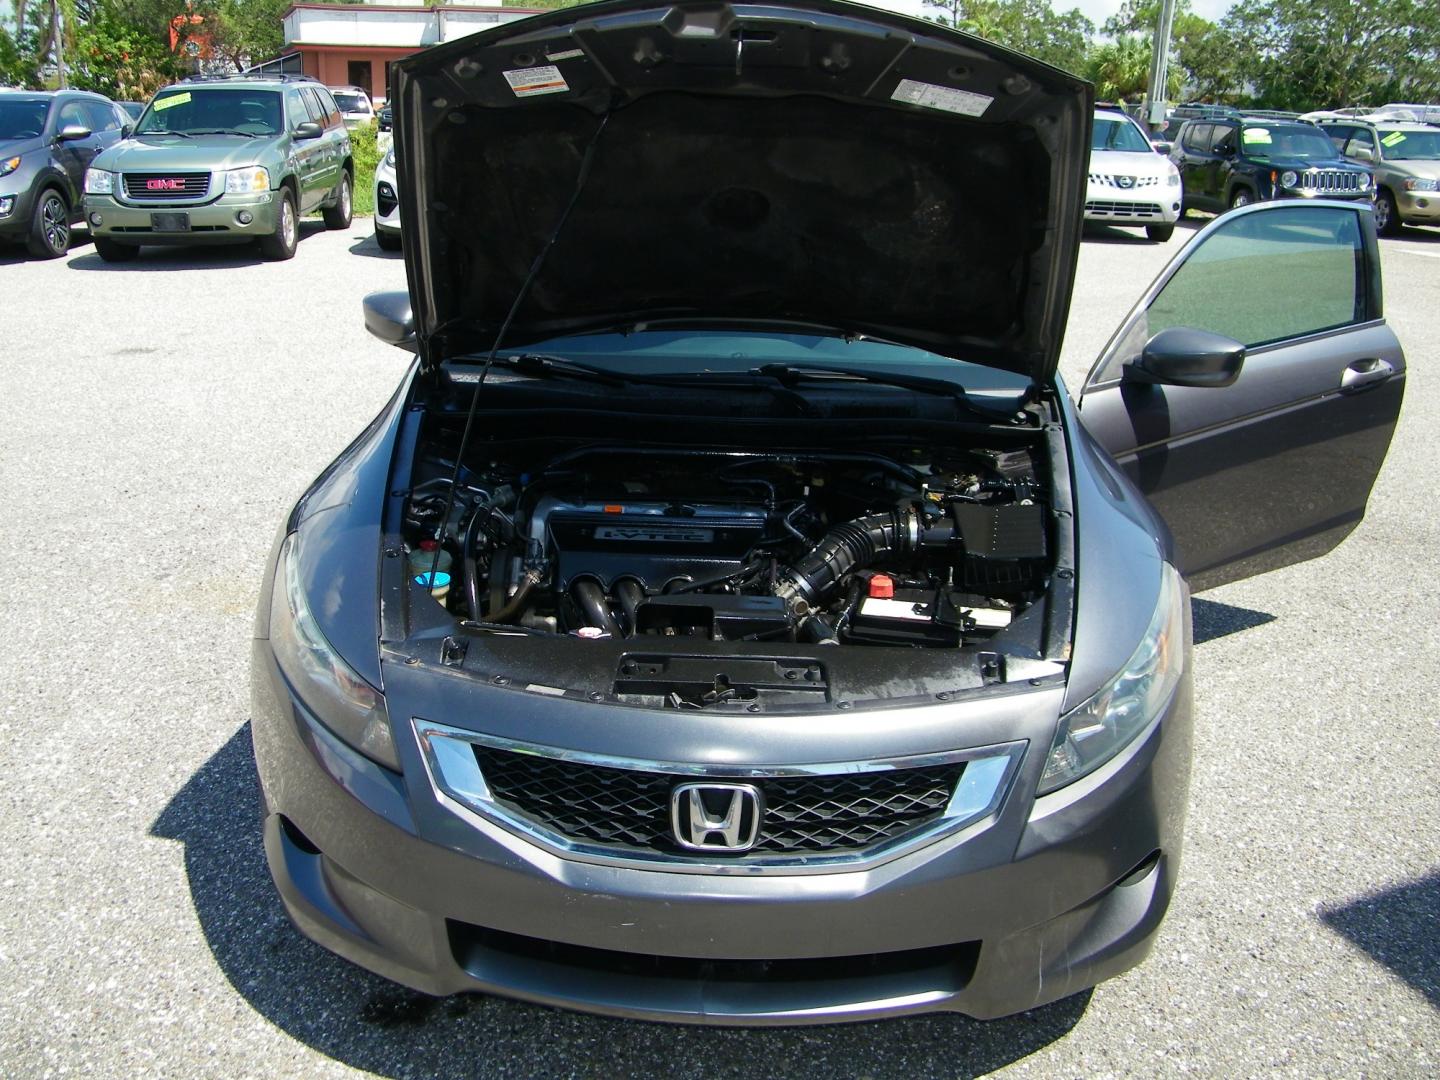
x: 244, y: 217
x: 296, y: 837
x: 96, y: 219
x: 1141, y: 871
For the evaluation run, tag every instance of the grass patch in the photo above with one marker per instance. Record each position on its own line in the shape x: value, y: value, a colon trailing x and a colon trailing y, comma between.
x: 365, y: 146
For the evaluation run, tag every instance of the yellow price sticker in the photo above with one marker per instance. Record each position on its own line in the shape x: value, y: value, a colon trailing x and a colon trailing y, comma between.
x: 1395, y: 138
x: 170, y: 102
x: 1257, y: 137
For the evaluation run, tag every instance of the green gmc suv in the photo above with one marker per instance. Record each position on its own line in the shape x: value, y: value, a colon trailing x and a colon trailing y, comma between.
x: 223, y: 160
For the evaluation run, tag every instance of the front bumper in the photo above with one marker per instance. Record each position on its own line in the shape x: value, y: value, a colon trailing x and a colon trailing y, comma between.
x: 213, y: 222
x: 1418, y: 207
x: 1156, y: 204
x: 387, y: 202
x: 1051, y: 897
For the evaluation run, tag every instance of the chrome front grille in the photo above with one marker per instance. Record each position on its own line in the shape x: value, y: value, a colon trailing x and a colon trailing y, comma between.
x: 1107, y: 208
x: 1329, y: 181
x: 802, y: 814
x: 165, y: 187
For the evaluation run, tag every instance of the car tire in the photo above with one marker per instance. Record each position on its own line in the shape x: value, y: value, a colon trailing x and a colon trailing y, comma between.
x: 339, y: 215
x: 388, y: 241
x: 49, y: 226
x: 1242, y: 196
x: 280, y: 245
x: 1159, y: 233
x: 110, y: 251
x: 1387, y: 214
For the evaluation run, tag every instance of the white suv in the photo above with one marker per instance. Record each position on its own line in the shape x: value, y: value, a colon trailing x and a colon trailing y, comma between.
x: 354, y: 105
x: 1130, y: 184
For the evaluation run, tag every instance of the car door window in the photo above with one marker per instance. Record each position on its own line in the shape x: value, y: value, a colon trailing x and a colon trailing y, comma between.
x: 1227, y: 285
x: 1223, y: 140
x: 99, y: 116
x: 1363, y: 139
x: 1197, y: 137
x: 72, y: 112
x: 1338, y: 133
x: 313, y: 106
x: 295, y: 110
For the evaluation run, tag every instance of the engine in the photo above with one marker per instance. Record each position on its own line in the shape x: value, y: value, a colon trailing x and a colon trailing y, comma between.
x: 843, y: 549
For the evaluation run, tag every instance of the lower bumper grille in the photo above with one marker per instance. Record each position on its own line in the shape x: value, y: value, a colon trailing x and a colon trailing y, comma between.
x: 629, y: 808
x: 1110, y: 208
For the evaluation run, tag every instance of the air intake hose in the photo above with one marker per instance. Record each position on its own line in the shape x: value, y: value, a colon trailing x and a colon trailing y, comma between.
x: 846, y: 548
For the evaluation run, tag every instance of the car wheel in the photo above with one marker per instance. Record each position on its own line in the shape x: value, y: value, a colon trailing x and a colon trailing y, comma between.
x: 338, y: 216
x: 1242, y: 197
x: 388, y: 241
x: 110, y: 251
x: 280, y: 245
x: 1159, y: 233
x: 50, y: 226
x: 1387, y: 217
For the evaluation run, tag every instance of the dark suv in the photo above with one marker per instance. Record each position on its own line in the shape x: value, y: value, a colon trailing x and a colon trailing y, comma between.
x: 1232, y: 161
x: 46, y: 142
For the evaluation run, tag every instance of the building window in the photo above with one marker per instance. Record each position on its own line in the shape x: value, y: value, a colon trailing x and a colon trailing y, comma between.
x: 358, y: 72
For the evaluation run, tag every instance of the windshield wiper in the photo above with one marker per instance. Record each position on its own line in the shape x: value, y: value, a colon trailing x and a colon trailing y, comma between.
x: 224, y: 131
x: 181, y: 134
x: 539, y: 365
x: 789, y: 375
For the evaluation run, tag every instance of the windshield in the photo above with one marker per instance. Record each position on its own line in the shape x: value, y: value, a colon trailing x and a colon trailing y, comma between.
x: 350, y: 102
x: 1110, y: 134
x: 1411, y: 145
x: 195, y: 111
x: 1291, y: 142
x: 23, y: 119
x: 668, y: 352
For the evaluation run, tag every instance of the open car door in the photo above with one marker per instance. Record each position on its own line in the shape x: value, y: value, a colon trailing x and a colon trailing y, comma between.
x: 1252, y: 392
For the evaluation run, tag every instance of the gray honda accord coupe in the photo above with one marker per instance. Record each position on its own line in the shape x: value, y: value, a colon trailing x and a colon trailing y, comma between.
x: 733, y: 618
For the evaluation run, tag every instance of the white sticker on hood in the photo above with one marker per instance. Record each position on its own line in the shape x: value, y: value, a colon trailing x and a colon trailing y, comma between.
x: 568, y: 54
x: 945, y: 98
x: 546, y: 79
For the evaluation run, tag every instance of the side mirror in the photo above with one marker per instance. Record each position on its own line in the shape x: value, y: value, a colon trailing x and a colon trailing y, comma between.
x: 73, y: 133
x: 308, y: 130
x: 1183, y: 356
x: 389, y: 318
x: 126, y: 130
x: 1161, y: 147
x: 1363, y: 153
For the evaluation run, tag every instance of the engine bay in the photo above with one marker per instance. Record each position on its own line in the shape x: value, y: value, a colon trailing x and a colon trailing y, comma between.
x: 602, y: 542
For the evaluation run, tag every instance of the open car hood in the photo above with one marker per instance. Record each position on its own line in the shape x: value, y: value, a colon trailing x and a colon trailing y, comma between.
x: 807, y: 162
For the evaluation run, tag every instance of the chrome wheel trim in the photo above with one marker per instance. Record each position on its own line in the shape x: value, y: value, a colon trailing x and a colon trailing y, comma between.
x: 1383, y: 208
x: 287, y: 222
x: 56, y: 223
x: 345, y: 196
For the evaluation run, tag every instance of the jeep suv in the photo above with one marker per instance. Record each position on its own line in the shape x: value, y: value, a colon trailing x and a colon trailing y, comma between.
x: 1229, y: 161
x: 1406, y: 160
x: 224, y: 160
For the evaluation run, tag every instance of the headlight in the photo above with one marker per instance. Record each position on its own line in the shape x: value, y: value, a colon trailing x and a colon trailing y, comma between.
x: 1173, y: 179
x: 243, y: 181
x: 9, y: 165
x: 1098, y: 730
x: 1363, y: 181
x: 1415, y: 184
x: 389, y: 161
x: 99, y: 182
x: 1289, y: 178
x: 343, y: 701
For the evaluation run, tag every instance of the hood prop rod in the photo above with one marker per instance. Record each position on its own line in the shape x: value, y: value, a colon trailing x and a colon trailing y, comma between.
x: 580, y: 178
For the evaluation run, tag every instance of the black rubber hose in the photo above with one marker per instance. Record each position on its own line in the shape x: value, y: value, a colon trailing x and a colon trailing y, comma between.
x: 590, y: 598
x: 467, y: 563
x: 516, y: 603
x: 849, y: 547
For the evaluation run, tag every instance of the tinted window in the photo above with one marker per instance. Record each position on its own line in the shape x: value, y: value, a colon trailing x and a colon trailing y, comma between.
x: 1338, y: 133
x: 1223, y: 139
x: 1111, y: 134
x: 1197, y: 137
x: 100, y: 117
x: 22, y: 119
x: 352, y: 103
x: 1363, y: 139
x: 71, y: 112
x: 192, y: 111
x: 332, y: 111
x: 295, y: 108
x: 1228, y: 285
x: 312, y: 105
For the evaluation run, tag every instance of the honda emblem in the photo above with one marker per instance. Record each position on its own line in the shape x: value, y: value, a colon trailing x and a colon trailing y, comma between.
x: 716, y: 817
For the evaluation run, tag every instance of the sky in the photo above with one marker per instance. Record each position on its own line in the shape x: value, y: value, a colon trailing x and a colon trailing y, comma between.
x: 1097, y: 11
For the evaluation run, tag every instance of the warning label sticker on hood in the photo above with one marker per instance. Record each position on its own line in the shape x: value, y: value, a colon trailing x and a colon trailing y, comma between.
x: 945, y: 98
x: 528, y: 82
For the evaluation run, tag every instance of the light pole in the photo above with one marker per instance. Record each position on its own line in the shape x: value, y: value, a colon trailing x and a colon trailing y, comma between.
x: 1159, y: 63
x: 55, y: 35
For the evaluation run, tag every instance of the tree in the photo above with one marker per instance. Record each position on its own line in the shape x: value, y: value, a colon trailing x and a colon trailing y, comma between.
x: 1120, y: 69
x: 1207, y: 56
x: 1032, y: 27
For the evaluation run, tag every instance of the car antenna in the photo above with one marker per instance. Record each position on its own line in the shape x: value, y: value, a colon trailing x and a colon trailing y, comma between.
x: 584, y: 174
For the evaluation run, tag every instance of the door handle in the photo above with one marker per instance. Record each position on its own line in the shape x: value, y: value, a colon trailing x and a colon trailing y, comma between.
x: 1363, y: 374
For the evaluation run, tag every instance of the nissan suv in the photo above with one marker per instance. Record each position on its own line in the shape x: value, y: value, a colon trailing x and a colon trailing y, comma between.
x: 223, y: 160
x: 1406, y: 160
x: 1232, y: 161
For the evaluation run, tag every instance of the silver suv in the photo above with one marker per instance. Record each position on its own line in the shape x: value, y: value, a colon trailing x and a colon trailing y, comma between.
x: 1405, y: 157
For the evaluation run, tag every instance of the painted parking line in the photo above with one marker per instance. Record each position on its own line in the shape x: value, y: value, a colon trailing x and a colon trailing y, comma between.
x: 1412, y: 251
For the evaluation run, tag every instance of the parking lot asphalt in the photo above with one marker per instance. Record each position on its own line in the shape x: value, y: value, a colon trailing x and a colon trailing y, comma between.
x: 156, y: 421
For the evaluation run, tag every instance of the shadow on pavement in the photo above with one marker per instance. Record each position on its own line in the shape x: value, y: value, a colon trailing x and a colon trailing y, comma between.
x: 1399, y: 928
x: 1215, y: 620
x: 371, y: 1024
x: 199, y: 256
x: 370, y: 249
